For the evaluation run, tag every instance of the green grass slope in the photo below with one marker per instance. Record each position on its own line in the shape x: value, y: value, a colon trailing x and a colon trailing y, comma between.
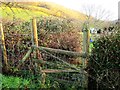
x: 12, y: 82
x: 27, y: 10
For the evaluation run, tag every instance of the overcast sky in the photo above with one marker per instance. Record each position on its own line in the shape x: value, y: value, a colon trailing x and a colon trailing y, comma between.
x: 109, y: 5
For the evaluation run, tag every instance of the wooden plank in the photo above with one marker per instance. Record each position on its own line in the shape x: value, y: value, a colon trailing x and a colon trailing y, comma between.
x: 27, y: 55
x: 57, y: 71
x: 59, y: 51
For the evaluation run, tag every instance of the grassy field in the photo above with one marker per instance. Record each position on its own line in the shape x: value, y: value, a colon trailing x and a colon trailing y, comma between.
x: 20, y: 13
x: 26, y: 11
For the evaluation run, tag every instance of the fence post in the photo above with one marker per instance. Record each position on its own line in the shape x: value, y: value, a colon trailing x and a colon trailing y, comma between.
x: 35, y: 37
x: 86, y: 42
x: 34, y: 31
x: 35, y: 42
x: 3, y: 46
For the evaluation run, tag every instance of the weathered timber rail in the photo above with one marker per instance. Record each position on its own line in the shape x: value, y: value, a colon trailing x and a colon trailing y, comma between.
x: 60, y: 51
x: 57, y: 71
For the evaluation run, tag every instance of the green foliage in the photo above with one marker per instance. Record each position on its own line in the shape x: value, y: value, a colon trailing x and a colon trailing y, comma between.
x: 20, y: 13
x: 34, y: 82
x: 65, y: 81
x: 13, y: 82
x: 52, y: 32
x: 104, y: 61
x: 107, y: 51
x: 18, y: 39
x: 31, y: 82
x: 54, y: 24
x: 67, y: 40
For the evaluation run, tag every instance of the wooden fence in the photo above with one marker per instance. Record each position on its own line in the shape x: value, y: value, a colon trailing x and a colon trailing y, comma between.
x: 37, y: 49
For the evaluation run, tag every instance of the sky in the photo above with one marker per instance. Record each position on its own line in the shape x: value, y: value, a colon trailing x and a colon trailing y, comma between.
x: 110, y: 6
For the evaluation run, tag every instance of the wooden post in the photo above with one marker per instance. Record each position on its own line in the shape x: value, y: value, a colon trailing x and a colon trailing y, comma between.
x: 35, y: 37
x: 3, y: 46
x: 86, y: 42
x: 43, y: 79
x: 34, y: 31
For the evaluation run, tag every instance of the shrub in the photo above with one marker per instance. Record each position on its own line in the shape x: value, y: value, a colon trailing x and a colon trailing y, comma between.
x: 54, y: 24
x: 13, y: 82
x: 17, y: 44
x: 52, y: 32
x: 104, y: 63
x: 68, y: 40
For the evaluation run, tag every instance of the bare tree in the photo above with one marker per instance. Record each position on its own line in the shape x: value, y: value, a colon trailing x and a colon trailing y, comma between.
x: 96, y: 16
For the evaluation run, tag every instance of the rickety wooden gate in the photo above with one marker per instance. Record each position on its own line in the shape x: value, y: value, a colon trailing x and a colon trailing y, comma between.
x: 38, y: 49
x: 84, y: 54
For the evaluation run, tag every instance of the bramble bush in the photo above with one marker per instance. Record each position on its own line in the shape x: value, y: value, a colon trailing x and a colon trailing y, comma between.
x: 55, y: 24
x: 52, y: 32
x: 68, y: 40
x: 60, y: 33
x: 104, y: 63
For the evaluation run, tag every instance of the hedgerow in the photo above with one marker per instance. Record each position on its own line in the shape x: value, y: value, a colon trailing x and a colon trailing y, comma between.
x: 104, y: 63
x: 52, y: 32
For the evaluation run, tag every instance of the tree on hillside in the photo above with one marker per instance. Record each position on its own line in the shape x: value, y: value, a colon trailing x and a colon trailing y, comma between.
x: 96, y: 16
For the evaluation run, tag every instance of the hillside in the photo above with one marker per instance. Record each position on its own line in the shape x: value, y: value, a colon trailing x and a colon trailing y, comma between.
x: 27, y: 10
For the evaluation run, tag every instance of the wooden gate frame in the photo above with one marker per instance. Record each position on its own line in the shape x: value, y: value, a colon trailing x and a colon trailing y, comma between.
x: 84, y: 54
x: 37, y: 48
